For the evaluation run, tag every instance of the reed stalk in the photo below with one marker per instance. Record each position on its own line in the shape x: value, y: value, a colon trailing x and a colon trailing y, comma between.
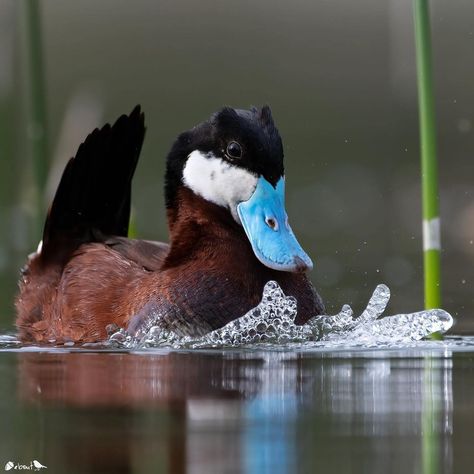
x: 429, y: 165
x: 35, y: 101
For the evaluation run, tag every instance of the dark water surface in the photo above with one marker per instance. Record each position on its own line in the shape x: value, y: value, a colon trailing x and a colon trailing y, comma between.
x: 347, y: 411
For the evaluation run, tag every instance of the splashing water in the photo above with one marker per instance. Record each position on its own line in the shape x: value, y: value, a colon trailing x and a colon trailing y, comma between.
x: 272, y: 322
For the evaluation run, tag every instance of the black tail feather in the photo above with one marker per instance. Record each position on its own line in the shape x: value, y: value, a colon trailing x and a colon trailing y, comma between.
x: 93, y: 198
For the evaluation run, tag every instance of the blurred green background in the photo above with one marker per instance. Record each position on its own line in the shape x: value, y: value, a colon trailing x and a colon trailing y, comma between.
x: 340, y: 78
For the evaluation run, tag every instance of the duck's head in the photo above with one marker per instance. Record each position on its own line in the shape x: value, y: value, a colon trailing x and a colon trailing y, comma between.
x: 235, y: 160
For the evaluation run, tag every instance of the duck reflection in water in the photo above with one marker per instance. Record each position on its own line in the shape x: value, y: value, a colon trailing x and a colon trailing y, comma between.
x: 259, y: 412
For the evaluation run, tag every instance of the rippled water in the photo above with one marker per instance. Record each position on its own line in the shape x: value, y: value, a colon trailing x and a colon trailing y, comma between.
x: 326, y: 409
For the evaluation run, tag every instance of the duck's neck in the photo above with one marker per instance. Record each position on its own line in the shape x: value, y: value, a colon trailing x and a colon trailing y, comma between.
x: 199, y: 227
x: 205, y: 239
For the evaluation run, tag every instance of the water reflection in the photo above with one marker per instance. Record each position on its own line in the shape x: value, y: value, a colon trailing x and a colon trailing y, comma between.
x: 237, y: 412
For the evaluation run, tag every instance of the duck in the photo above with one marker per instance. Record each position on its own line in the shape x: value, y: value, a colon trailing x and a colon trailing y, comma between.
x: 229, y: 235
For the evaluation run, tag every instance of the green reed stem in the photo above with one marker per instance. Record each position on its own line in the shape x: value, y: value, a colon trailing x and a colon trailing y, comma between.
x: 429, y: 165
x: 35, y: 114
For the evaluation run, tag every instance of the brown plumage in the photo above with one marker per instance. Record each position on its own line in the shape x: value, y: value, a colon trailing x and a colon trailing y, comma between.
x: 88, y: 275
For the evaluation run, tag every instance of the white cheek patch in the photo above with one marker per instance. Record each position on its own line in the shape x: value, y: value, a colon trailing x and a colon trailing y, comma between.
x: 218, y: 181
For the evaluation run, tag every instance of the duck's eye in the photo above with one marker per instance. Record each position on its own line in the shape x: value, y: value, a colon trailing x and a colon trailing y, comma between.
x: 234, y: 150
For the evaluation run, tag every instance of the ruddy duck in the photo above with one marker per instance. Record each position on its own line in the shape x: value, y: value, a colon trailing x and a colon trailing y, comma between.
x: 229, y: 235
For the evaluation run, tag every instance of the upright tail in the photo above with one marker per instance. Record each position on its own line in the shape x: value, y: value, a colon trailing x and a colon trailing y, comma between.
x: 92, y: 201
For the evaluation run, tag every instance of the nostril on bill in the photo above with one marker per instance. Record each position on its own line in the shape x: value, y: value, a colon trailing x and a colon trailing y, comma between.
x: 272, y: 223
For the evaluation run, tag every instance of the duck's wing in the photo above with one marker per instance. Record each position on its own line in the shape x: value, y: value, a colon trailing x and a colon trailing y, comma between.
x: 92, y: 201
x: 146, y: 253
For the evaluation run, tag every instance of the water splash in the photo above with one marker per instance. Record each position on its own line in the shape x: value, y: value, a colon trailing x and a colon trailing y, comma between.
x: 272, y: 322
